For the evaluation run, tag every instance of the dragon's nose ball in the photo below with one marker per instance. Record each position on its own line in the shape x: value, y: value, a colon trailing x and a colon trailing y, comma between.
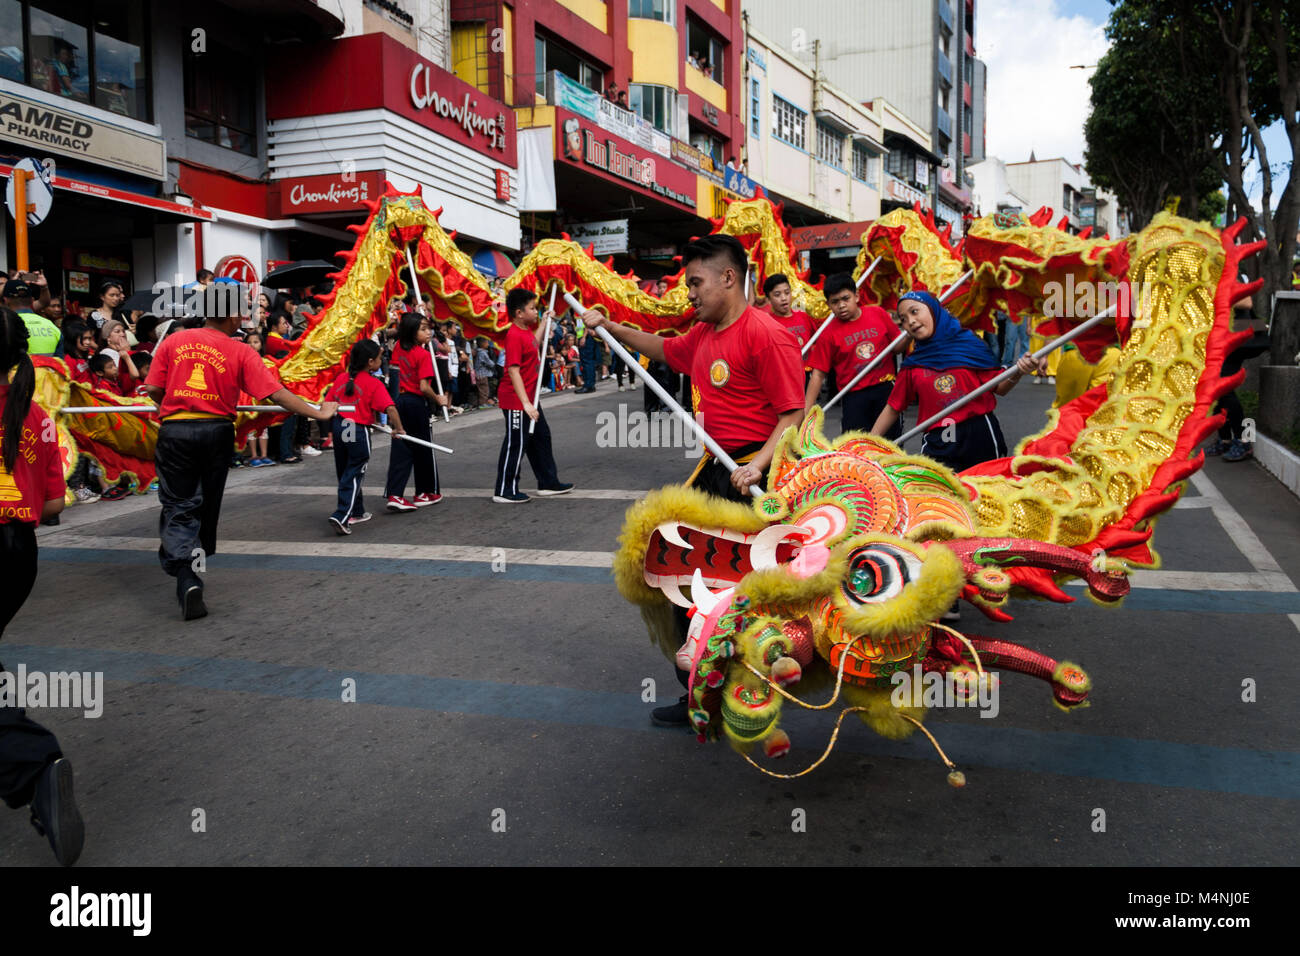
x: 786, y: 671
x: 777, y: 744
x: 957, y: 779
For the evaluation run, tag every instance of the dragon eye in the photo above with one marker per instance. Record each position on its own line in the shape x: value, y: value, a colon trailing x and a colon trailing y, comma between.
x: 879, y: 572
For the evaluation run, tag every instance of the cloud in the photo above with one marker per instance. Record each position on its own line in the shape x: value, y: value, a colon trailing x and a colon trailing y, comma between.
x: 1035, y: 101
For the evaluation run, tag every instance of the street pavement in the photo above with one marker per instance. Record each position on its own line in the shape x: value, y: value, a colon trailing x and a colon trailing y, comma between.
x: 499, y: 714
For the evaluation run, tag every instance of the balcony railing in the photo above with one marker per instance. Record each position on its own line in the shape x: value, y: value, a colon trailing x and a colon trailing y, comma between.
x: 945, y: 68
x: 944, y: 122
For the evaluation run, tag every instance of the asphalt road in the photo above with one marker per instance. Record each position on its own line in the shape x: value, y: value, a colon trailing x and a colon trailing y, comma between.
x: 499, y: 715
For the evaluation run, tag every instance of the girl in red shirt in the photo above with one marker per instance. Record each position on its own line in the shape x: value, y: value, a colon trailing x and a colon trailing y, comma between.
x: 78, y: 347
x: 358, y: 387
x: 32, y: 767
x: 415, y: 392
x: 946, y: 363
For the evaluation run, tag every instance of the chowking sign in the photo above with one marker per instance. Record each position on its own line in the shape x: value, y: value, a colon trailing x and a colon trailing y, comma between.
x: 340, y: 192
x: 463, y: 111
x: 71, y: 134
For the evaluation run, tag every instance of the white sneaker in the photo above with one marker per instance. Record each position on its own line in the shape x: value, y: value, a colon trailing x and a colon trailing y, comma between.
x: 85, y: 496
x: 310, y: 451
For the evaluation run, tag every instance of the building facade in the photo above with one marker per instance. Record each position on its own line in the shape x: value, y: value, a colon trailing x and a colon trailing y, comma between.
x: 917, y: 54
x: 1064, y: 187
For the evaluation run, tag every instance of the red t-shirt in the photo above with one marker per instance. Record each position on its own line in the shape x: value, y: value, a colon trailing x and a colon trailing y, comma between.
x: 202, y: 372
x: 277, y: 346
x: 369, y: 397
x: 38, y: 468
x: 521, y: 350
x: 744, y: 377
x: 413, y: 366
x: 935, y: 390
x: 798, y: 324
x: 78, y: 369
x: 848, y: 347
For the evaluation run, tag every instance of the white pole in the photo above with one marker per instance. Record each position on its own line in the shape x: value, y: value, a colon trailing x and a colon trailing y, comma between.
x: 541, y: 367
x: 822, y: 328
x: 893, y: 345
x: 664, y: 397
x: 437, y: 376
x: 1006, y: 374
x: 412, y: 439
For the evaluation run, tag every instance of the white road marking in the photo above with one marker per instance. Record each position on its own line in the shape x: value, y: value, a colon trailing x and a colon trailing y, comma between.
x: 1205, y: 581
x: 1238, y: 530
x: 353, y: 548
x: 329, y: 491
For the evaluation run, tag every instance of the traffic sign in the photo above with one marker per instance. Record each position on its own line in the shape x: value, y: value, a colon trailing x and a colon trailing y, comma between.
x: 40, y: 190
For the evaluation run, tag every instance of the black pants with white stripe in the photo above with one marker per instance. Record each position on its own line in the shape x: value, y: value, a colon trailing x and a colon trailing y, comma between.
x: 518, y: 443
x: 403, y: 456
x: 351, y: 456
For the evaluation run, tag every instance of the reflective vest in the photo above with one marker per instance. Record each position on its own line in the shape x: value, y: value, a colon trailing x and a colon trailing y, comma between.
x: 43, y: 336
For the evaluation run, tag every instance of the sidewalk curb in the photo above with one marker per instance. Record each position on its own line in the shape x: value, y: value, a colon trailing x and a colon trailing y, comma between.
x: 1279, y: 461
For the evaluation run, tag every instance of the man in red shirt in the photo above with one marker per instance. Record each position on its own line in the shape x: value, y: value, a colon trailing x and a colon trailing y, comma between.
x: 196, y: 378
x: 780, y: 303
x: 515, y: 398
x: 853, y: 339
x: 748, y: 377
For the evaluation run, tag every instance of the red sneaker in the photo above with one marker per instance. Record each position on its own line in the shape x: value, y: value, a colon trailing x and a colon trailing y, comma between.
x: 398, y: 503
x: 422, y: 501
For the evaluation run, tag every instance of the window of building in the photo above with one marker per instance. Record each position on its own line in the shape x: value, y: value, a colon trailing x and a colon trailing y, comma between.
x: 651, y: 9
x: 1065, y: 198
x: 755, y: 107
x: 709, y: 145
x: 830, y: 146
x: 58, y: 49
x: 84, y: 53
x: 550, y: 55
x: 704, y: 50
x: 900, y: 163
x: 864, y: 164
x: 121, y: 84
x: 220, y: 99
x: 968, y: 70
x: 656, y: 104
x: 968, y: 122
x: 789, y: 123
x: 469, y: 54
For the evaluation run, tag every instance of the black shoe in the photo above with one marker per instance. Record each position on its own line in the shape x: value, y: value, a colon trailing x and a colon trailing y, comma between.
x: 55, y: 814
x: 189, y: 591
x: 52, y: 521
x: 674, y: 715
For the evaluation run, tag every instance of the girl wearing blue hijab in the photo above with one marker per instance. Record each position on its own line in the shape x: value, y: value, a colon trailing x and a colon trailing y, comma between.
x: 946, y: 363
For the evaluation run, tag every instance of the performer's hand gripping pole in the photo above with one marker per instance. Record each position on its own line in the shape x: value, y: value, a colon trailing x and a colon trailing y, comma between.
x: 822, y: 328
x: 541, y: 368
x: 894, y: 345
x: 714, y: 448
x: 992, y: 383
x: 437, y: 376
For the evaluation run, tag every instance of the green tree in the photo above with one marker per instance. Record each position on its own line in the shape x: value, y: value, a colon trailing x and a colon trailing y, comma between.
x: 1155, y: 117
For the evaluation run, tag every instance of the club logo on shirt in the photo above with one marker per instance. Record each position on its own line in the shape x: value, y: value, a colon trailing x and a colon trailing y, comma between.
x: 945, y: 384
x: 865, y: 350
x: 719, y: 373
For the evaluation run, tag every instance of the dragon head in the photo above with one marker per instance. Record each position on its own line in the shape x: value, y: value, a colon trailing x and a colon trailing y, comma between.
x: 840, y: 571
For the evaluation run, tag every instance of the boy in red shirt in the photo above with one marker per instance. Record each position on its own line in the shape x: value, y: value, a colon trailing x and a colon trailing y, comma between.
x: 780, y: 304
x: 357, y: 387
x: 196, y: 379
x: 853, y: 339
x: 515, y: 396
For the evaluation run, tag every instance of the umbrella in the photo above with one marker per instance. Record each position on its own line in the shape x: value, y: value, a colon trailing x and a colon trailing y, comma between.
x: 143, y: 301
x: 493, y: 264
x: 298, y: 274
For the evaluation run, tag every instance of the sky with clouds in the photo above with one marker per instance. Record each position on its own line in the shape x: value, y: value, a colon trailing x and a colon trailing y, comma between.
x: 1035, y: 101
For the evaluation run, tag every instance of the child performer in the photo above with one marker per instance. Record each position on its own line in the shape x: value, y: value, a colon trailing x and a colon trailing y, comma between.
x: 415, y: 391
x: 32, y: 767
x: 196, y: 379
x: 518, y: 386
x: 359, y: 387
x: 946, y: 363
